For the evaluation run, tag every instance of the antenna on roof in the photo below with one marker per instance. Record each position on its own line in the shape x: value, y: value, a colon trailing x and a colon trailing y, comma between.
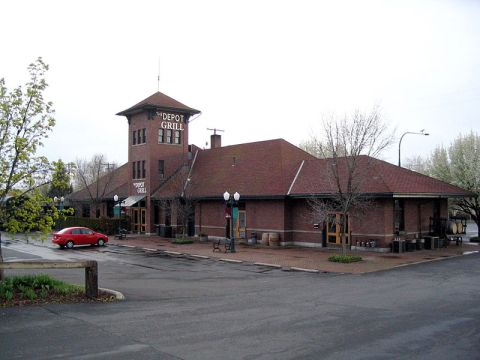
x: 158, y: 77
x: 215, y: 130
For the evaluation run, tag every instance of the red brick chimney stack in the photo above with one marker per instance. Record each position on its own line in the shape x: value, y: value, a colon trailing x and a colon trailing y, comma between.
x: 215, y: 141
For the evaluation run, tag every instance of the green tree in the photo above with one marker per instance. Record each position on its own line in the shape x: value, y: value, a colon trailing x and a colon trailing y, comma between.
x: 26, y: 119
x: 459, y: 164
x: 464, y: 165
x: 60, y: 184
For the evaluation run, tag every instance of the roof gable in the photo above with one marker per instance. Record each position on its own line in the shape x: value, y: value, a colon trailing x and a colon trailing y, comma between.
x: 159, y: 101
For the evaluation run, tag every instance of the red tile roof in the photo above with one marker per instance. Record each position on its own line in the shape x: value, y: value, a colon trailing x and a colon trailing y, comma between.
x: 377, y: 178
x: 162, y: 101
x: 258, y: 169
x: 113, y: 183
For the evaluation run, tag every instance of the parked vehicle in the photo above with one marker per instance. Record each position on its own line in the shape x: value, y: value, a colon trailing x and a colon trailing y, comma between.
x: 72, y: 236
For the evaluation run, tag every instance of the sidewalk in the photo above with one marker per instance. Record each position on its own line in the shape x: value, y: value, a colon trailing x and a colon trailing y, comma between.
x: 296, y: 258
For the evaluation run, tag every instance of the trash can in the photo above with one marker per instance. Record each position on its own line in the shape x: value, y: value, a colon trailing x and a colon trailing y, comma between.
x: 411, y: 245
x: 398, y: 246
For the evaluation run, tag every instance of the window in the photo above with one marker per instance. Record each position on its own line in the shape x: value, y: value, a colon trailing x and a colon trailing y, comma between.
x: 177, y: 137
x: 134, y: 175
x: 399, y: 215
x: 139, y: 136
x: 76, y: 231
x: 144, y: 171
x: 86, y: 210
x: 161, y: 136
x: 138, y: 169
x: 161, y: 168
x: 169, y: 136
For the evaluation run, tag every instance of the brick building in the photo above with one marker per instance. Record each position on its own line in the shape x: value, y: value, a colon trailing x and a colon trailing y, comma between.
x: 171, y: 187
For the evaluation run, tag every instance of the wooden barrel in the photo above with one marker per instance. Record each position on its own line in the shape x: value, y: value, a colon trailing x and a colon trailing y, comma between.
x: 452, y: 227
x: 265, y: 238
x: 273, y: 239
x: 459, y: 228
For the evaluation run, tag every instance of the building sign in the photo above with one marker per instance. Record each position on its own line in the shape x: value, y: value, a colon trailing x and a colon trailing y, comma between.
x: 171, y: 121
x: 140, y: 186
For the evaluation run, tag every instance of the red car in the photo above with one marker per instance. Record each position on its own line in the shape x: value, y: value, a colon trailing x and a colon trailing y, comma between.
x: 72, y: 236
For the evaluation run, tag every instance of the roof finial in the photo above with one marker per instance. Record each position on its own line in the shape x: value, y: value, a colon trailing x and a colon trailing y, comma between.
x: 158, y: 77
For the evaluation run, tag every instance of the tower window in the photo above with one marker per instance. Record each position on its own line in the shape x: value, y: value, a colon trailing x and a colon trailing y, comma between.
x: 161, y: 136
x: 177, y: 137
x: 139, y: 136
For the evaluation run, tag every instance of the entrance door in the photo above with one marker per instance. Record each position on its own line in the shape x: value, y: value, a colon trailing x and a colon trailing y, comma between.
x: 139, y: 219
x: 143, y: 220
x: 241, y: 226
x: 334, y: 233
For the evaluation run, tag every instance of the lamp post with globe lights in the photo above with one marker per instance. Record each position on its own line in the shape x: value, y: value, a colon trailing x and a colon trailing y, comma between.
x: 232, y: 202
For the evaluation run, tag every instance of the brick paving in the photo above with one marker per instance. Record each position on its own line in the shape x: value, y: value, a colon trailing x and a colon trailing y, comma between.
x: 298, y: 258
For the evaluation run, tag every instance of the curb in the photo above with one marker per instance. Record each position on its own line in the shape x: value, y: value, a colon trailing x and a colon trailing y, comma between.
x: 118, y: 295
x: 269, y: 265
x: 231, y: 261
x: 305, y: 270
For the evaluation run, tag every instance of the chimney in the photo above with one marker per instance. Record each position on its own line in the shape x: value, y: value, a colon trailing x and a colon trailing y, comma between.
x: 215, y: 141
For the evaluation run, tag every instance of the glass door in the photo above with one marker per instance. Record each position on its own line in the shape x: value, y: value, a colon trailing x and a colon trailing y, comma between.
x: 334, y: 228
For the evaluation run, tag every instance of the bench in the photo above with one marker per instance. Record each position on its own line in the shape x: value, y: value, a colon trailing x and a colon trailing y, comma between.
x: 458, y: 239
x: 218, y: 242
x: 91, y: 270
x: 121, y: 235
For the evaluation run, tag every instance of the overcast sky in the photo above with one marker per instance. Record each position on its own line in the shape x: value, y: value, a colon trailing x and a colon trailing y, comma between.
x: 257, y: 69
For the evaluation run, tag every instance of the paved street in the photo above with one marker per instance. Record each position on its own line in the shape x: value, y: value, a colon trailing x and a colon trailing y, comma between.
x: 190, y: 308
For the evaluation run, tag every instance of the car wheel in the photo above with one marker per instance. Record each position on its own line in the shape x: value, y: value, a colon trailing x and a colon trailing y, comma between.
x: 101, y: 242
x: 69, y: 244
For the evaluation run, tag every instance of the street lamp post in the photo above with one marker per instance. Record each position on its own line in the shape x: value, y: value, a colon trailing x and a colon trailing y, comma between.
x: 422, y: 132
x: 117, y: 211
x: 233, y: 202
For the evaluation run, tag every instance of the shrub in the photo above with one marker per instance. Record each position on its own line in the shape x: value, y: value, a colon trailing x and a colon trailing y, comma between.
x: 32, y: 286
x: 182, y: 241
x: 345, y: 258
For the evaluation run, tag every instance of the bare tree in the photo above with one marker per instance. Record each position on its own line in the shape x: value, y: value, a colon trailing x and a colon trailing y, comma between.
x: 345, y: 141
x: 178, y: 191
x: 95, y: 176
